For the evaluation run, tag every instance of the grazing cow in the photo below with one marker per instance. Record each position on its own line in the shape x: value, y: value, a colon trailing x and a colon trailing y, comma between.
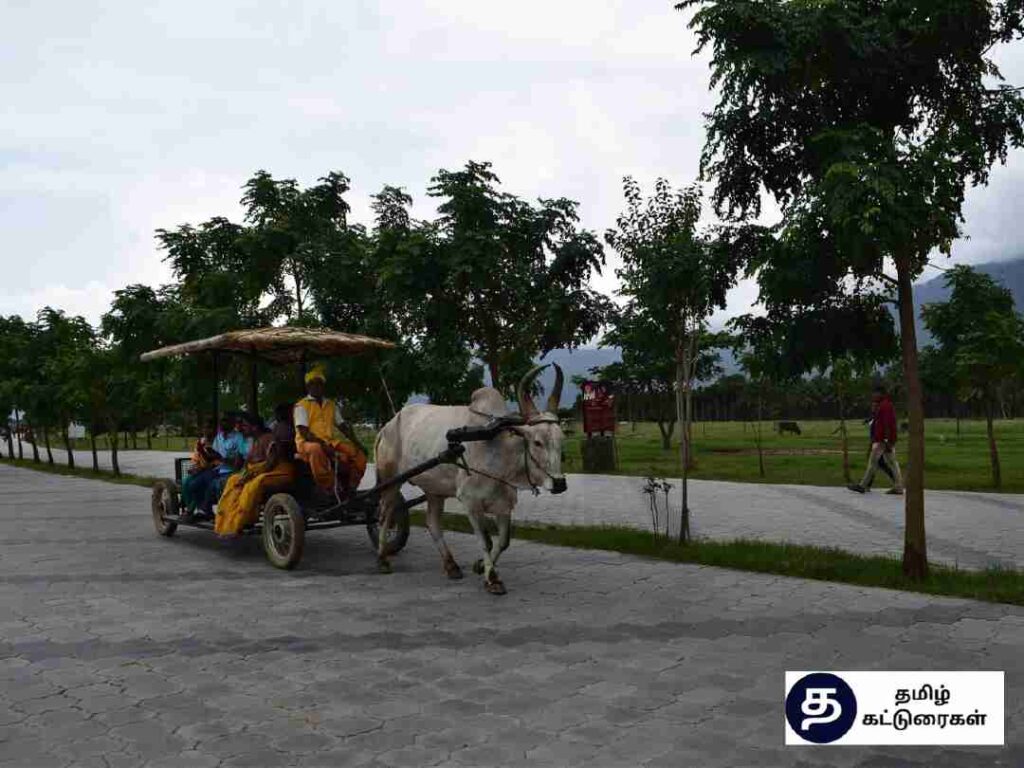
x: 522, y: 455
x: 788, y: 426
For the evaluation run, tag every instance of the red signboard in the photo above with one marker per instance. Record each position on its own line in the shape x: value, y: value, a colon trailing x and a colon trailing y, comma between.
x: 598, y: 407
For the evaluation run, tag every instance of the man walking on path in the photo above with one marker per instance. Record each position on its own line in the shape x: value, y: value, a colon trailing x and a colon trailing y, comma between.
x: 883, y: 443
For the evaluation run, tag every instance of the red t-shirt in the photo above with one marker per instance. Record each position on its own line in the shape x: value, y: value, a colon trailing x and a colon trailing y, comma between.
x: 883, y: 429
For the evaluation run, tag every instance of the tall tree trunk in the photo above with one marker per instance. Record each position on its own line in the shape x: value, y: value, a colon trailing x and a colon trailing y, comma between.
x: 135, y: 440
x: 149, y: 438
x: 993, y: 451
x: 95, y: 455
x: 667, y: 428
x: 957, y: 405
x: 757, y: 435
x: 915, y: 550
x: 114, y: 463
x: 67, y: 447
x: 298, y: 293
x: 46, y: 441
x: 17, y: 428
x: 843, y: 436
x: 34, y: 443
x: 10, y: 444
x: 684, y: 445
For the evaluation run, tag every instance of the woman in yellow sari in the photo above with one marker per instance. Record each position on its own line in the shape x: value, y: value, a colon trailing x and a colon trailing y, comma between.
x: 269, y: 468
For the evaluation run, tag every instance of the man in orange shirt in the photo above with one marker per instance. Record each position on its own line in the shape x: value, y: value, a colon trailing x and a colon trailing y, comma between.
x: 320, y: 438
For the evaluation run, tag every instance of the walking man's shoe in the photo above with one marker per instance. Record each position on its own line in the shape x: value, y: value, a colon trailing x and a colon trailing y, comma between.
x: 857, y: 488
x: 895, y: 491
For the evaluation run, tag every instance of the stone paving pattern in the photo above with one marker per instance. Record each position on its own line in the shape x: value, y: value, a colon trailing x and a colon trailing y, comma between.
x: 971, y: 530
x: 120, y: 648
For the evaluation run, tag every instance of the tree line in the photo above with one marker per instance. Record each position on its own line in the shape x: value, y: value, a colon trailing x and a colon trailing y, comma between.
x: 492, y: 283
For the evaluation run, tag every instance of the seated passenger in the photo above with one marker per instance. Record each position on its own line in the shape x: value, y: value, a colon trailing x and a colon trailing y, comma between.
x: 284, y: 430
x: 267, y: 469
x: 233, y: 448
x: 204, y: 466
x: 319, y: 427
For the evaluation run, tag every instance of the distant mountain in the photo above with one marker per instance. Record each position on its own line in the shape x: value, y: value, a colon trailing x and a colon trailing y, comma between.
x: 579, y: 362
x: 1009, y: 273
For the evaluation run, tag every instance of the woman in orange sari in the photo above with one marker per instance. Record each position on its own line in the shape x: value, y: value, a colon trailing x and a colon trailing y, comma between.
x: 269, y: 468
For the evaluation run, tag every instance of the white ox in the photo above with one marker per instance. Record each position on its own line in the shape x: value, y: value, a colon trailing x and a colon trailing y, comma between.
x: 519, y: 457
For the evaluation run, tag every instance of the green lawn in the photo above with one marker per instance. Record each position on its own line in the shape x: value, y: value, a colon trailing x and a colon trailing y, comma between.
x: 726, y: 451
x: 805, y: 562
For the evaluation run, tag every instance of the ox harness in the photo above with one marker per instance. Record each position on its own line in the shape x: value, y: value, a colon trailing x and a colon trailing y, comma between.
x: 492, y: 429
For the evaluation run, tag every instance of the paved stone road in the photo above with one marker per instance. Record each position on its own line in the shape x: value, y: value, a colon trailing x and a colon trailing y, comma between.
x: 972, y: 530
x: 120, y: 648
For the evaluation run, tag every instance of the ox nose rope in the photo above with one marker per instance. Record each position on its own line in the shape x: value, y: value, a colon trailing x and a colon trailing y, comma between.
x: 462, y: 464
x: 527, y: 457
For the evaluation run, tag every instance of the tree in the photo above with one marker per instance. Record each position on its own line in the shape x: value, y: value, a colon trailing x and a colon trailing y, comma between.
x: 292, y: 232
x: 673, y: 278
x: 980, y: 333
x: 834, y: 336
x: 514, y: 276
x: 938, y: 377
x: 62, y: 345
x: 141, y: 319
x: 392, y: 286
x: 648, y: 367
x: 15, y: 345
x: 865, y: 121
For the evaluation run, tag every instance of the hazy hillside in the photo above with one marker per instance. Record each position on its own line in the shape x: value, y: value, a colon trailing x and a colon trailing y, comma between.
x: 1009, y: 273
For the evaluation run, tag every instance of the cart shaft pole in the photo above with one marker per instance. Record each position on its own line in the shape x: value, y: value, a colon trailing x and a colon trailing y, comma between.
x: 446, y: 457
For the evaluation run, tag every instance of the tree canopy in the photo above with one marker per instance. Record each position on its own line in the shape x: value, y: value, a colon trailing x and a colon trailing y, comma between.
x: 865, y: 120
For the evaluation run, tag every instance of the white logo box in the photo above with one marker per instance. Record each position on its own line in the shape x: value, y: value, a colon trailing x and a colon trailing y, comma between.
x: 906, y: 709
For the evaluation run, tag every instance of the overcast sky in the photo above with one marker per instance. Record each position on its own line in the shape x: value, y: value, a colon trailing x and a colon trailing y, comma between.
x: 122, y: 117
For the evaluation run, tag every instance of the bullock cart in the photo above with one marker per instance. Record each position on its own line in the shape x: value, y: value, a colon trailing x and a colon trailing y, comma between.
x: 286, y: 516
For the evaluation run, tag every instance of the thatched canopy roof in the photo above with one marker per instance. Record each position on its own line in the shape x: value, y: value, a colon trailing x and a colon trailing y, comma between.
x: 277, y: 345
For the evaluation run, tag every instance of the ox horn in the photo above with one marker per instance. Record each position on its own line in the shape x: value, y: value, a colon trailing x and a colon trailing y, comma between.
x: 556, y: 394
x: 526, y: 406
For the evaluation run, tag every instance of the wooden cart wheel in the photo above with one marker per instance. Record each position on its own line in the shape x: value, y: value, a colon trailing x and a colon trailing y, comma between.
x: 165, y: 502
x: 397, y: 535
x: 284, y: 531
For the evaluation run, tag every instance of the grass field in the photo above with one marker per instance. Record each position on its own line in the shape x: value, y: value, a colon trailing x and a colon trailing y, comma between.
x: 726, y: 451
x: 819, y: 563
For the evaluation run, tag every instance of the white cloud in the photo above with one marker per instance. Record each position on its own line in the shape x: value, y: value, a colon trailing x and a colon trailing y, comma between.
x: 122, y: 117
x: 90, y: 300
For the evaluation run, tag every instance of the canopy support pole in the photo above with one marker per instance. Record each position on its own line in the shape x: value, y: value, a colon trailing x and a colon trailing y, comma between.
x: 216, y: 390
x: 254, y: 387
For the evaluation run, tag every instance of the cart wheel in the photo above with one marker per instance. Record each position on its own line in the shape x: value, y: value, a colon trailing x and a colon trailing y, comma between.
x: 284, y: 531
x: 397, y: 535
x: 165, y: 502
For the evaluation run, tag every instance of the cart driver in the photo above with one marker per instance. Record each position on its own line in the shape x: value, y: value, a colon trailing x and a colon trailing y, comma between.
x: 320, y: 433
